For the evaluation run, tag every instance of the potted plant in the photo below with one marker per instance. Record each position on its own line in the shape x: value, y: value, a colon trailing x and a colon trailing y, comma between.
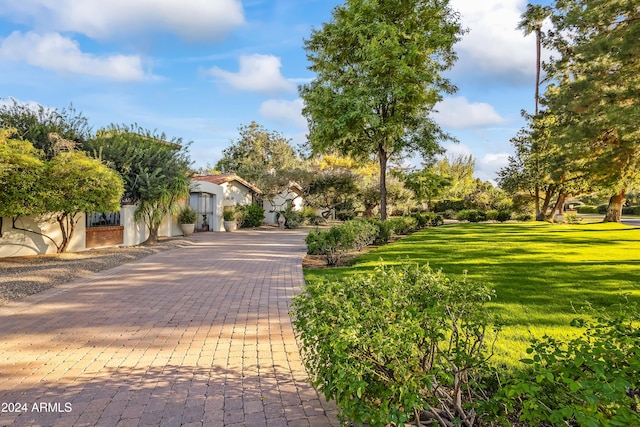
x: 229, y: 217
x: 187, y: 220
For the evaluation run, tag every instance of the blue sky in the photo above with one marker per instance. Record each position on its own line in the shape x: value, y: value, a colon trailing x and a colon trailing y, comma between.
x: 199, y: 69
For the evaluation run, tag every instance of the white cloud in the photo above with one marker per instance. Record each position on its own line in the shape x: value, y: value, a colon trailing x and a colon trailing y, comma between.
x: 494, y: 45
x: 490, y: 164
x: 260, y: 73
x: 284, y: 112
x: 54, y: 52
x: 458, y: 113
x: 191, y: 19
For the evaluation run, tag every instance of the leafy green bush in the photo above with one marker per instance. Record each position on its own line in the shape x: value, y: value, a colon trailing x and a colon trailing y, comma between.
x: 592, y: 380
x: 449, y: 214
x: 384, y: 231
x: 631, y: 210
x: 444, y: 205
x: 492, y: 215
x: 571, y: 218
x: 310, y: 217
x: 427, y: 219
x: 587, y: 209
x: 250, y: 215
x: 394, y: 344
x: 332, y: 243
x: 294, y: 219
x: 524, y: 217
x: 602, y: 209
x: 503, y: 216
x: 403, y: 224
x: 471, y: 215
x: 360, y: 232
x: 345, y: 215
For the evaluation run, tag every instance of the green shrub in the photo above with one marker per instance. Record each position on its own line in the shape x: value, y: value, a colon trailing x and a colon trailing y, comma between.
x: 524, y: 217
x: 187, y: 216
x: 602, y: 209
x: 571, y: 218
x: 332, y: 243
x: 427, y: 219
x: 294, y: 219
x: 392, y: 344
x: 403, y: 224
x: 449, y: 214
x: 345, y: 215
x: 444, y: 205
x: 503, y: 216
x: 589, y: 381
x: 310, y: 217
x: 471, y: 215
x: 250, y: 215
x: 587, y: 209
x: 384, y: 231
x: 631, y: 210
x: 361, y: 232
x: 492, y: 215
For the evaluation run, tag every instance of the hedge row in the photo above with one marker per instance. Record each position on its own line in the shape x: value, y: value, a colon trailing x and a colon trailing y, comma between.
x: 473, y: 215
x: 335, y: 242
x: 602, y: 209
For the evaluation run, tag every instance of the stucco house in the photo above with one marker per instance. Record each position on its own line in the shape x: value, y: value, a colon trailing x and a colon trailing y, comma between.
x: 211, y: 193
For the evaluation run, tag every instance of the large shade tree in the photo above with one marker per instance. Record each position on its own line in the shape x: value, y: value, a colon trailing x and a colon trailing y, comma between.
x: 263, y: 157
x: 156, y: 171
x: 594, y: 91
x: 378, y: 67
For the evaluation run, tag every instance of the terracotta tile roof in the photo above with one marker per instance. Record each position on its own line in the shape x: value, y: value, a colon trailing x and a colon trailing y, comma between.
x: 226, y: 177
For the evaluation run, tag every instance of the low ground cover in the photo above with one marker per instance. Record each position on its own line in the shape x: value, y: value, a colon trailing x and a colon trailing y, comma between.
x: 544, y: 275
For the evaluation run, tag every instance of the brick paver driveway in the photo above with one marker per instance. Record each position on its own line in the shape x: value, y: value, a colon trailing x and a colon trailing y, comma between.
x: 194, y: 336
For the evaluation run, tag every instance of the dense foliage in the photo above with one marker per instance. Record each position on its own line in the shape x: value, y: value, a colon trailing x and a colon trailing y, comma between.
x: 250, y: 215
x: 377, y: 103
x: 156, y: 171
x: 396, y: 344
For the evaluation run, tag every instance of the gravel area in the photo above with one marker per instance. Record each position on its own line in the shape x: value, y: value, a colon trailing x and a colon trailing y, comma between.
x: 24, y: 276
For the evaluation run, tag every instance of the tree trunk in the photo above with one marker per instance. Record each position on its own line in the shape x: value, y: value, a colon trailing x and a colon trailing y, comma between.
x: 153, y: 236
x: 539, y: 216
x: 614, y: 210
x: 382, y: 156
x: 542, y: 215
x: 558, y: 207
x: 67, y: 223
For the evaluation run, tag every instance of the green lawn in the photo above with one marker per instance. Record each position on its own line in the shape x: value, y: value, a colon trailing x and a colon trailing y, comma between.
x: 543, y: 274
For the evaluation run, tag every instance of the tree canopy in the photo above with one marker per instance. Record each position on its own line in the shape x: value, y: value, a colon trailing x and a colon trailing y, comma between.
x: 155, y: 170
x: 38, y: 124
x: 379, y: 68
x: 263, y: 157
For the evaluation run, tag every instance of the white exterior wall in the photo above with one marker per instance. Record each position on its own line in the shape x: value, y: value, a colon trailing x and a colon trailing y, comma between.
x: 279, y: 203
x: 236, y: 194
x: 23, y: 243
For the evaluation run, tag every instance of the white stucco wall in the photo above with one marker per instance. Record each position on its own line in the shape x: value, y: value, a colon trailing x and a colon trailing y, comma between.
x: 23, y: 243
x: 279, y: 203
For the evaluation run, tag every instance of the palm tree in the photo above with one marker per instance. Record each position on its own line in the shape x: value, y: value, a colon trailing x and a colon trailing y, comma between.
x: 531, y: 22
